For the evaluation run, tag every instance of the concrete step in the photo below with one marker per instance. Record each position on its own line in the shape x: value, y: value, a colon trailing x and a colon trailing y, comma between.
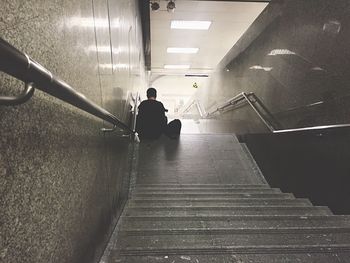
x: 235, y: 231
x: 211, y: 195
x: 214, y: 196
x: 201, y: 186
x: 218, y: 243
x: 203, y: 189
x: 207, y: 191
x: 232, y: 222
x: 219, y: 202
x: 291, y: 257
x: 225, y: 211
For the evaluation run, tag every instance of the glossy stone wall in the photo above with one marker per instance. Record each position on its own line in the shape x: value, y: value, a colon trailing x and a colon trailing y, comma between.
x: 296, y: 59
x: 63, y: 183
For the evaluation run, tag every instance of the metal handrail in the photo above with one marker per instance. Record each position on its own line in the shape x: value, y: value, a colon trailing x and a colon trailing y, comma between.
x: 137, y: 99
x: 201, y: 111
x: 189, y: 106
x: 22, y: 67
x: 271, y: 123
x: 231, y: 102
x: 313, y: 128
x: 26, y: 94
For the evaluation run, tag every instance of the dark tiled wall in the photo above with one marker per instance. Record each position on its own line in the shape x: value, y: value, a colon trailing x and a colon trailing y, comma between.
x: 62, y: 182
x: 295, y: 58
x: 311, y: 164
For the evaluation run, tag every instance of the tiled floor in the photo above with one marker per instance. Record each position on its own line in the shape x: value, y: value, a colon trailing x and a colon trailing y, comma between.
x: 195, y: 158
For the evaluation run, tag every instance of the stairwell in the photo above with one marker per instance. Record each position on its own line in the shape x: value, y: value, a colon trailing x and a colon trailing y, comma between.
x: 202, y: 199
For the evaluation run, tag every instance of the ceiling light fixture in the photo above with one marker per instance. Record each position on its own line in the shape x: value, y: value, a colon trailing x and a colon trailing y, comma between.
x: 176, y: 66
x: 194, y: 25
x: 171, y: 6
x: 182, y: 50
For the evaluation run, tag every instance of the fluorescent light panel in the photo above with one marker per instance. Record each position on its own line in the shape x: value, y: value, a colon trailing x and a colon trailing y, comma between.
x: 176, y: 66
x: 194, y: 25
x: 183, y: 50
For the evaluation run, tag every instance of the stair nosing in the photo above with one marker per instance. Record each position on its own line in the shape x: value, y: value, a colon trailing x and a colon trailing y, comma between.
x: 239, y: 217
x: 247, y: 231
x: 240, y: 250
x: 226, y: 207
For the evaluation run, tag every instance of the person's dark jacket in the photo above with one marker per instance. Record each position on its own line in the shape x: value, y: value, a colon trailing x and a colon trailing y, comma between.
x: 151, y: 120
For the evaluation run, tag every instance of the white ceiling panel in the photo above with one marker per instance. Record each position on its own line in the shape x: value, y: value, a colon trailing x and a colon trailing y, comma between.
x: 229, y: 21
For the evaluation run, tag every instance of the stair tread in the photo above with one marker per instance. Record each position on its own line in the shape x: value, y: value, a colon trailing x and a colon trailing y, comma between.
x: 218, y: 202
x: 211, y: 195
x: 234, y: 231
x: 207, y: 191
x: 222, y: 240
x: 240, y: 258
x: 201, y: 185
x: 217, y: 199
x: 223, y: 222
x: 226, y: 208
x: 236, y: 210
x: 201, y: 188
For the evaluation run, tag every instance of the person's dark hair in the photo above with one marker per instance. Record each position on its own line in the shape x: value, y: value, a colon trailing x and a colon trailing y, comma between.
x: 151, y: 92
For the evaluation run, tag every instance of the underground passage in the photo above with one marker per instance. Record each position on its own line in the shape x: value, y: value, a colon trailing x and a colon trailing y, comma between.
x: 141, y: 131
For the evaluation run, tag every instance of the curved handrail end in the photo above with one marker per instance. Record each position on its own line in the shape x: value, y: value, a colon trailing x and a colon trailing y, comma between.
x: 26, y: 94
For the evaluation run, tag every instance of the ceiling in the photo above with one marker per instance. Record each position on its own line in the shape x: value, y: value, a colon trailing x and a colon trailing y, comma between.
x: 229, y: 21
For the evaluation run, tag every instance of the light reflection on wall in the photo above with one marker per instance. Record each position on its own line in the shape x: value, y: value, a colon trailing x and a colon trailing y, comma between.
x: 332, y: 27
x: 257, y: 67
x: 114, y: 66
x: 91, y: 22
x: 276, y: 52
x: 102, y: 49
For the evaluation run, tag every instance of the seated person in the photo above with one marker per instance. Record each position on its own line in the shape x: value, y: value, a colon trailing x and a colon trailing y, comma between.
x: 151, y: 121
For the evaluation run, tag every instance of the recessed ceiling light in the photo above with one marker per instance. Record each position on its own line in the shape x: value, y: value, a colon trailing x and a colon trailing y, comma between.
x: 197, y: 25
x: 184, y: 50
x: 176, y: 66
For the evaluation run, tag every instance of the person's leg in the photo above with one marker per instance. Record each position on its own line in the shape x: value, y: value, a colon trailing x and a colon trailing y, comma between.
x: 173, y: 129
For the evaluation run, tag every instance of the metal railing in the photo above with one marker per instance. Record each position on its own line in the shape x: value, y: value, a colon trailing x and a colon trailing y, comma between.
x: 21, y: 66
x: 136, y: 100
x: 261, y: 110
x: 196, y: 103
x: 255, y: 103
x: 250, y: 98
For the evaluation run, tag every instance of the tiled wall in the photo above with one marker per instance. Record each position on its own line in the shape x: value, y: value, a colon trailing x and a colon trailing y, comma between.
x: 62, y: 181
x: 296, y: 59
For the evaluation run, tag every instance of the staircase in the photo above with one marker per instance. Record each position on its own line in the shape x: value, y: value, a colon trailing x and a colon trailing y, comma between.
x: 208, y: 220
